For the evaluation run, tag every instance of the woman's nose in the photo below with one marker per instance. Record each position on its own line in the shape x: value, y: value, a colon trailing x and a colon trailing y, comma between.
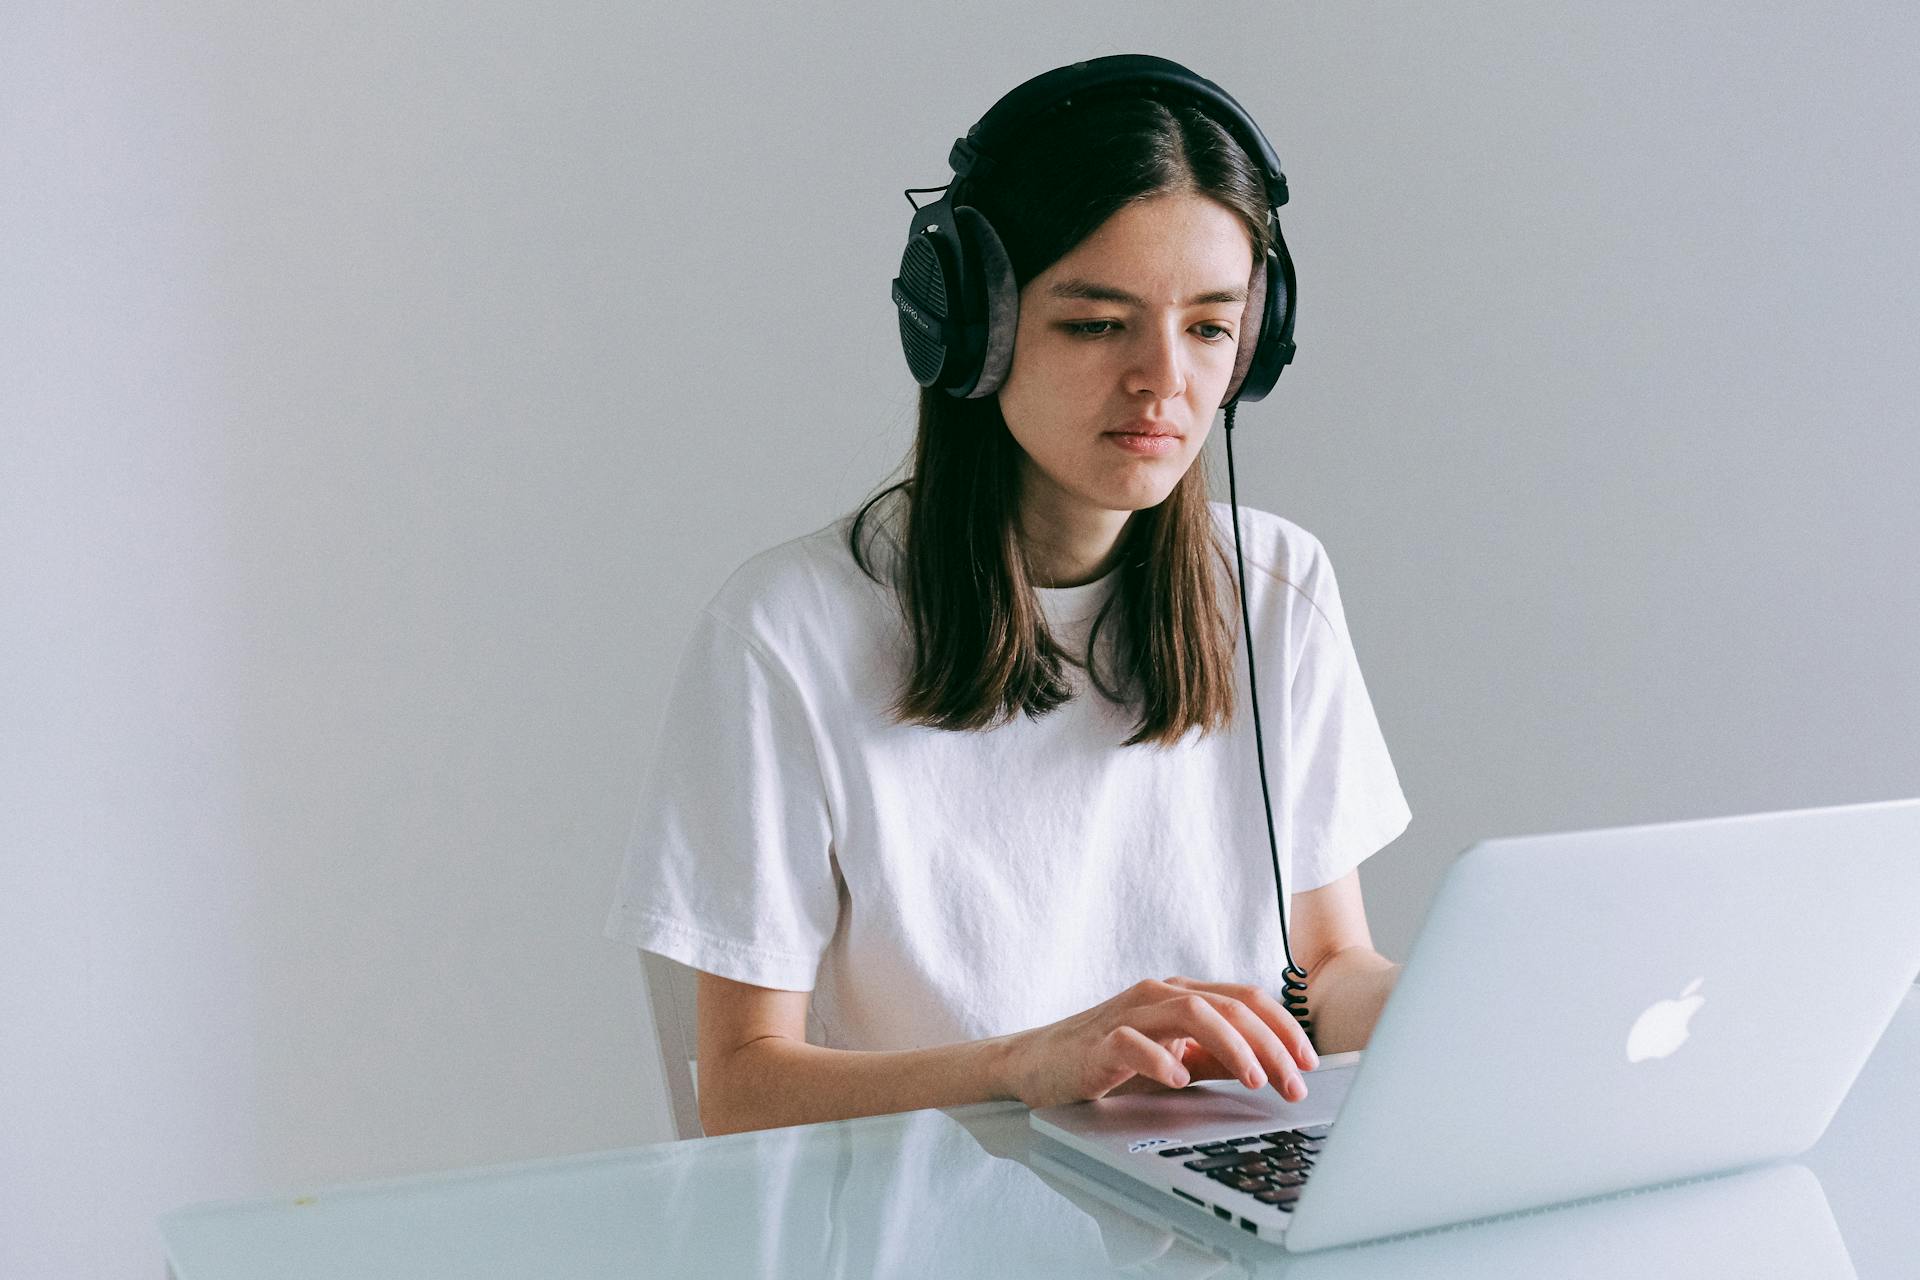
x: 1159, y: 365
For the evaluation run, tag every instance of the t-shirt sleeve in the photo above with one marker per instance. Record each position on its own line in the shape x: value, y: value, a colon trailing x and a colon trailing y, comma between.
x: 729, y: 865
x: 1346, y: 799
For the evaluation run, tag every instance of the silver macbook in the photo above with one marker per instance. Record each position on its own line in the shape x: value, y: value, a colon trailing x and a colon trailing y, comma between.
x: 1582, y: 1013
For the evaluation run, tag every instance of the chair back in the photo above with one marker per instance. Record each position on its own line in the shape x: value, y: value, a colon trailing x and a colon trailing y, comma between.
x: 671, y: 989
x: 672, y: 999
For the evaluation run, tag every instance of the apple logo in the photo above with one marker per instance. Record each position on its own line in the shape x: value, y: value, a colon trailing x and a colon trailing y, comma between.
x: 1663, y: 1027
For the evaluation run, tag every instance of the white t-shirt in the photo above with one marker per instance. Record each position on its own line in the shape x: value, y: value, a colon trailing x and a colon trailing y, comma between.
x: 929, y: 885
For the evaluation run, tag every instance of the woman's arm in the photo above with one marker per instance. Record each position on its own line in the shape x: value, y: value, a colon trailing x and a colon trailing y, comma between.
x: 758, y: 1072
x: 1345, y: 995
x: 1348, y: 982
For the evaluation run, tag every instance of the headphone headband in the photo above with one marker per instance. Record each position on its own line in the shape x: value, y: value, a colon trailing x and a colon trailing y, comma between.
x: 1132, y: 74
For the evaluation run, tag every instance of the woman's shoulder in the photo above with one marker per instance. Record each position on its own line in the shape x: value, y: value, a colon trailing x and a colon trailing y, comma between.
x: 801, y: 592
x: 1282, y: 557
x: 1272, y: 543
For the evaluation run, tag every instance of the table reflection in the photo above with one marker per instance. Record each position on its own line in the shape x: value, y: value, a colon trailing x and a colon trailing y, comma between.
x: 904, y: 1195
x: 1768, y: 1222
x: 974, y: 1192
x: 931, y: 1193
x: 927, y: 1194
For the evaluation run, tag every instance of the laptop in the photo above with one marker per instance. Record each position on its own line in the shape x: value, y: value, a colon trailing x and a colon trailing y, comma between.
x: 1582, y: 1013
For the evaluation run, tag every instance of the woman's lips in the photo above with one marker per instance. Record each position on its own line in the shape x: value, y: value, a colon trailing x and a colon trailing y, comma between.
x: 1140, y: 442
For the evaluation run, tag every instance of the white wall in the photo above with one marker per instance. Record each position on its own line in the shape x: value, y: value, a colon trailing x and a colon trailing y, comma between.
x: 383, y: 386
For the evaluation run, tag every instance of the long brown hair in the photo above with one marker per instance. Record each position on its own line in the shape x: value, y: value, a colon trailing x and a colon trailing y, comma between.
x: 981, y: 647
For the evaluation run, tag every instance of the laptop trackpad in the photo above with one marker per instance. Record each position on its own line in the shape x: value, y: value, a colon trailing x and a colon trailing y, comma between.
x: 1208, y: 1108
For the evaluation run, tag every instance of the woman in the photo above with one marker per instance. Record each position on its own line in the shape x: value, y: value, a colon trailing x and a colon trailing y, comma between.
x: 966, y: 772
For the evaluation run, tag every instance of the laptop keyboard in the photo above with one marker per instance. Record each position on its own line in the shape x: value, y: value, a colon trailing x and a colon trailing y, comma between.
x: 1270, y: 1167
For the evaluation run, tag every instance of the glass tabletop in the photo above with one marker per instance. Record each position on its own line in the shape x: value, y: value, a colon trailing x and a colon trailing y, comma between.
x: 971, y: 1191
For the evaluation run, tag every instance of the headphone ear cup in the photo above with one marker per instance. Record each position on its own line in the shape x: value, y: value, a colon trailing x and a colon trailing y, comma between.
x: 926, y: 293
x: 999, y: 297
x: 1250, y: 328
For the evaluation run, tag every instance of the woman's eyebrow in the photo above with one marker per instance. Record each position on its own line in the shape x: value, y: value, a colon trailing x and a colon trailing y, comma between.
x: 1074, y: 287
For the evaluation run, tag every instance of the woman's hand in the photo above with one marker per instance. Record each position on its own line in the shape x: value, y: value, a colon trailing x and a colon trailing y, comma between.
x: 1162, y: 1034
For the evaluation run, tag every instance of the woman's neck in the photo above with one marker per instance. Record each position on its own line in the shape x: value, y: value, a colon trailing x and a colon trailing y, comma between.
x: 1071, y: 551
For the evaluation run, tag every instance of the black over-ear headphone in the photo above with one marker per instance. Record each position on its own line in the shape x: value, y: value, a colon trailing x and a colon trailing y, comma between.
x: 955, y: 292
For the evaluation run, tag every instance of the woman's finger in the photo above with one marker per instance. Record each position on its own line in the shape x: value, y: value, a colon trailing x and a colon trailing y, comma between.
x: 1147, y: 1057
x: 1270, y: 1011
x: 1192, y: 1014
x: 1273, y: 1054
x: 1200, y: 1064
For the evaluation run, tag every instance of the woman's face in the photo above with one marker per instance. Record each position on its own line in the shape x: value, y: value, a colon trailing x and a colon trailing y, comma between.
x: 1133, y: 331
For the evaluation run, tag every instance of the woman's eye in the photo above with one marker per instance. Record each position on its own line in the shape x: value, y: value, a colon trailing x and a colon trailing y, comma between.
x: 1094, y: 329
